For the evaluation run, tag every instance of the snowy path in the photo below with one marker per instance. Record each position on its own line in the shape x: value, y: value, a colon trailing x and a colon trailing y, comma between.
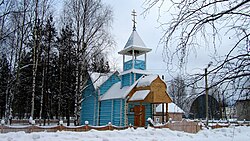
x: 140, y: 134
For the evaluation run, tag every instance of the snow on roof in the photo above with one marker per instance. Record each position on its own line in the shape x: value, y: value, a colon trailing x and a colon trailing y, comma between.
x: 115, y: 91
x: 133, y: 70
x: 99, y: 78
x: 172, y: 108
x: 139, y: 95
x: 134, y: 40
x: 146, y: 80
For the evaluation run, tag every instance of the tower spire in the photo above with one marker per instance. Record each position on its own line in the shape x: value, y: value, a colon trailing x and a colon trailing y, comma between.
x: 133, y: 20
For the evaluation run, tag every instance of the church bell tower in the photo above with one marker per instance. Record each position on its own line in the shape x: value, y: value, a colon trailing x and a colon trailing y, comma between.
x: 134, y: 64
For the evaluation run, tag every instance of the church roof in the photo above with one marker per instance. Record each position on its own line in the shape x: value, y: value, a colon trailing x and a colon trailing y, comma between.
x: 139, y: 95
x: 134, y: 43
x: 99, y: 78
x: 146, y: 80
x: 134, y: 40
x: 116, y: 92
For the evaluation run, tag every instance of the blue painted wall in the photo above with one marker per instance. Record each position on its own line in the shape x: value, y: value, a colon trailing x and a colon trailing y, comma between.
x: 139, y: 64
x: 118, y: 115
x: 89, y: 105
x: 105, y: 112
x: 90, y: 109
x: 126, y: 79
x: 112, y: 111
x: 107, y: 84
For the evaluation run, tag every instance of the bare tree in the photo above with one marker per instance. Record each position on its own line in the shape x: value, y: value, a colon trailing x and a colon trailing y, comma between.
x: 177, y: 90
x: 90, y: 20
x: 14, y: 29
x: 209, y: 22
x: 40, y: 8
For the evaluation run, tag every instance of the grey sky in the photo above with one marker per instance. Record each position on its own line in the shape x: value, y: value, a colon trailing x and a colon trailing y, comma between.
x: 147, y: 28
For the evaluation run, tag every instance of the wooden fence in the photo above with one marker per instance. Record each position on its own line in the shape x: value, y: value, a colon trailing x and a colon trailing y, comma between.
x: 215, y: 125
x: 184, y: 125
x: 34, y: 128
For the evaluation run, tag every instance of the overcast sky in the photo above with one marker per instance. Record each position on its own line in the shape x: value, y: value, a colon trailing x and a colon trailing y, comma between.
x: 147, y: 28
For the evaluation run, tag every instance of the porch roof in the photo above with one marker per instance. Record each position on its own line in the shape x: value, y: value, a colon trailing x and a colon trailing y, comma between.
x: 139, y: 95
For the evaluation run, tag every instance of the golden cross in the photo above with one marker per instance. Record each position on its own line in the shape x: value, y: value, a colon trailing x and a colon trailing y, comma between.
x: 134, y: 22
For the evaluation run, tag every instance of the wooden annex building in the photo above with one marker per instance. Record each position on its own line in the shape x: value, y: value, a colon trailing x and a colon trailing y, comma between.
x: 129, y: 97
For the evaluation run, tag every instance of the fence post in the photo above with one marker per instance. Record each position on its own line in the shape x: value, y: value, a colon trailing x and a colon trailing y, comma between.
x: 110, y: 125
x: 2, y: 124
x: 60, y: 125
x: 86, y: 125
x: 33, y: 122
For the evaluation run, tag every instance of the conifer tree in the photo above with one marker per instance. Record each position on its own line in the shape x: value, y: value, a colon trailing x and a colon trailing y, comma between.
x: 66, y: 73
x: 4, y: 75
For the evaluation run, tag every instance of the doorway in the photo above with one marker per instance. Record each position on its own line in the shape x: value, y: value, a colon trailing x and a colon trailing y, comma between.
x: 139, y: 116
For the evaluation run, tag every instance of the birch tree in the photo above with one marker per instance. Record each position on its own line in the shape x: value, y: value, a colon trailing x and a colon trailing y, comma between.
x: 211, y: 24
x: 90, y: 20
x: 40, y: 9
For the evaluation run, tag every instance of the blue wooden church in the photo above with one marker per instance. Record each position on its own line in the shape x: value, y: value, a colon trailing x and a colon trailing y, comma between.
x: 129, y: 97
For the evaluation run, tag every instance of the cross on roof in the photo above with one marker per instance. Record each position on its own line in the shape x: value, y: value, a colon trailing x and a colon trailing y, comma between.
x: 134, y: 22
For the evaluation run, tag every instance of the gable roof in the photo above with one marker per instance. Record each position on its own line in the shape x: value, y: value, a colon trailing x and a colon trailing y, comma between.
x: 134, y: 40
x: 99, y: 78
x: 134, y: 43
x: 116, y: 92
x: 139, y: 95
x: 146, y: 80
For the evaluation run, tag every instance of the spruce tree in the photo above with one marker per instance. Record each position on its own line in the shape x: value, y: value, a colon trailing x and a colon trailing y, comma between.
x: 67, y: 69
x: 4, y: 75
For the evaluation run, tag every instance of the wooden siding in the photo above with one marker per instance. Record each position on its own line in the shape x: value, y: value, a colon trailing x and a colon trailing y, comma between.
x: 157, y: 93
x: 89, y: 105
x: 105, y: 112
x: 118, y: 114
x: 148, y: 112
x: 112, y: 111
x: 107, y: 84
x: 139, y: 64
x: 159, y: 89
x: 126, y: 80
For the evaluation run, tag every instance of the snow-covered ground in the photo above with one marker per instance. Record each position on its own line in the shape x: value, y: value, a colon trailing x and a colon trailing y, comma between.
x: 224, y: 134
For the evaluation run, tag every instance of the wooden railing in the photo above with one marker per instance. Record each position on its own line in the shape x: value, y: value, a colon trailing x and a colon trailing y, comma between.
x: 184, y: 125
x: 34, y: 128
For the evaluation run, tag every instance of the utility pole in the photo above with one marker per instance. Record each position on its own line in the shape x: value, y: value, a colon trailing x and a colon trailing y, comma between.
x: 206, y: 90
